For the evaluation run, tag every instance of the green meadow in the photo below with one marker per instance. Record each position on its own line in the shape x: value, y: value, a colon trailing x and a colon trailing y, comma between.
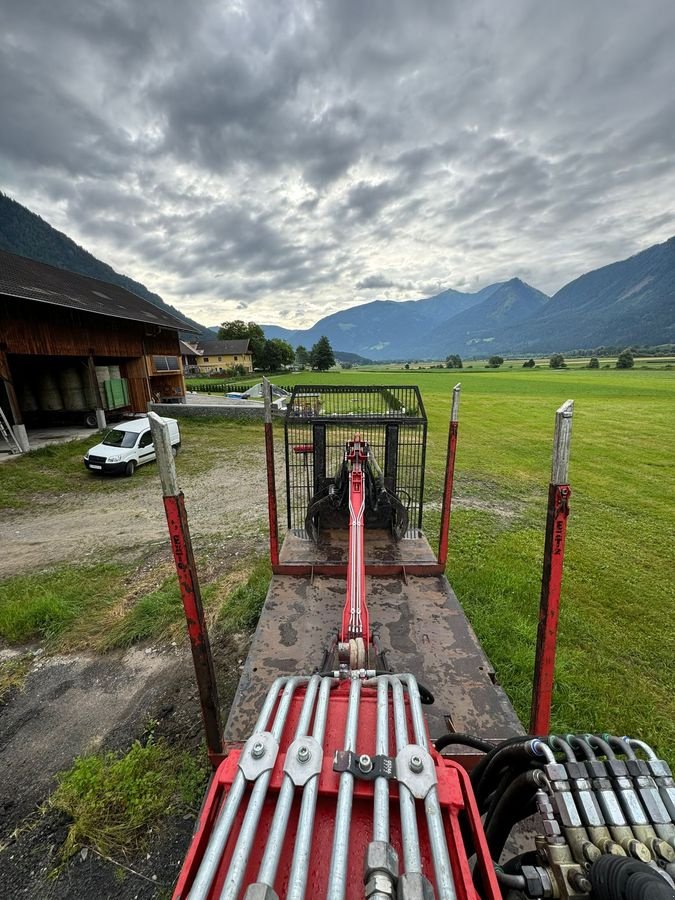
x: 617, y: 634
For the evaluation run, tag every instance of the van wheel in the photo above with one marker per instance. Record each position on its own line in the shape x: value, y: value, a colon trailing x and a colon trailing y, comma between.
x: 130, y: 469
x: 174, y: 450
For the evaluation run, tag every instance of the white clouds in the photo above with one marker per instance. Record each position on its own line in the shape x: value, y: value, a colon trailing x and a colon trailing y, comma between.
x: 296, y: 159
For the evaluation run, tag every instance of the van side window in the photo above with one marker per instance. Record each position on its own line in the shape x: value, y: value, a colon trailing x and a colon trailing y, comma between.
x: 146, y: 439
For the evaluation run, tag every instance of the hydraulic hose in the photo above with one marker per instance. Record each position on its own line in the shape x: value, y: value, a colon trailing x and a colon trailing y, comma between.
x: 504, y: 757
x: 464, y: 740
x: 479, y: 771
x: 515, y: 804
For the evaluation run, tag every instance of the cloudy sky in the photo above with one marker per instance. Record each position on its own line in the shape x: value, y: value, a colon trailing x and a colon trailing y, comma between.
x: 281, y: 160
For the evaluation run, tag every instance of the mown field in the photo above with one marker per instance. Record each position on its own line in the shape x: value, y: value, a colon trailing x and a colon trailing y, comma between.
x: 617, y: 640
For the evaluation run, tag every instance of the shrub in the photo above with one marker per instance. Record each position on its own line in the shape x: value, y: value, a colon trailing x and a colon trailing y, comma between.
x: 557, y: 361
x: 625, y: 360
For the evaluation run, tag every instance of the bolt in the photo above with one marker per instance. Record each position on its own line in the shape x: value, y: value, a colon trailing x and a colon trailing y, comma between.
x: 579, y: 881
x: 416, y: 764
x: 365, y: 763
x: 258, y: 750
x: 304, y: 754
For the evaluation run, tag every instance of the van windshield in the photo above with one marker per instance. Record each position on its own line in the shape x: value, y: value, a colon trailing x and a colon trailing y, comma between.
x: 118, y: 438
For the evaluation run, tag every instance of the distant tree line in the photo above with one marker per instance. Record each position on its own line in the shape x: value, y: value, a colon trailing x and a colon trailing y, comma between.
x: 272, y: 354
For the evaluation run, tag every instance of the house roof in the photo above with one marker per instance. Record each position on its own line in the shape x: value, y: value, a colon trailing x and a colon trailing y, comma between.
x: 27, y: 279
x: 188, y: 350
x: 223, y: 348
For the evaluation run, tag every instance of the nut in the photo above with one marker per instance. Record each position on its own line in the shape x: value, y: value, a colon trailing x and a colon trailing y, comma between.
x: 365, y: 763
x: 304, y: 754
x: 380, y: 857
x: 258, y: 750
x: 380, y: 884
x: 414, y: 886
x: 416, y: 764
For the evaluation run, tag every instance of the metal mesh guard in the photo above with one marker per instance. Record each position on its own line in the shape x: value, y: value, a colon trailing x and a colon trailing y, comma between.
x: 320, y: 419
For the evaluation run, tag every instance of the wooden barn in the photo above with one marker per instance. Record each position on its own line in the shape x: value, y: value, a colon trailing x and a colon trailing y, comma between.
x: 75, y: 349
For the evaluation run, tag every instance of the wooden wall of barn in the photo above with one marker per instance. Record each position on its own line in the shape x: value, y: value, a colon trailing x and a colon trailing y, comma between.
x: 42, y: 329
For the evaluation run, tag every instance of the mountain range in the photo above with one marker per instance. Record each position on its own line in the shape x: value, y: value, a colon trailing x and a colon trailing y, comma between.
x: 631, y: 302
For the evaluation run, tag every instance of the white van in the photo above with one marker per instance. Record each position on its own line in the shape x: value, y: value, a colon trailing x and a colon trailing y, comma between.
x: 127, y: 446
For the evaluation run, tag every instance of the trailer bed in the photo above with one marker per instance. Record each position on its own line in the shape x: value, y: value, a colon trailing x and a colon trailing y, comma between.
x: 422, y: 628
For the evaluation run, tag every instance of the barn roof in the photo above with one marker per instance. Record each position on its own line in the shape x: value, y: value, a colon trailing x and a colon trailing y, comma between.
x: 223, y: 348
x: 27, y: 279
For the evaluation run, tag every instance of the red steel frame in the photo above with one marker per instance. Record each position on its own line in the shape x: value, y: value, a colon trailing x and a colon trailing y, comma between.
x: 271, y: 476
x: 454, y: 790
x: 181, y: 546
x: 554, y: 553
x: 549, y: 608
x: 355, y: 622
x: 444, y: 533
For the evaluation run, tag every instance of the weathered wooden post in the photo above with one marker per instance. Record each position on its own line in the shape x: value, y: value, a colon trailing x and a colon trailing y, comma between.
x: 554, y: 552
x: 271, y: 475
x: 181, y: 546
x: 444, y: 535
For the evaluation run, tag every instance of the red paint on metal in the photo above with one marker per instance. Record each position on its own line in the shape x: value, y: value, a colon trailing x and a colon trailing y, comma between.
x: 549, y: 608
x: 355, y: 622
x: 181, y: 546
x: 336, y: 570
x: 454, y: 792
x: 271, y: 494
x: 444, y: 534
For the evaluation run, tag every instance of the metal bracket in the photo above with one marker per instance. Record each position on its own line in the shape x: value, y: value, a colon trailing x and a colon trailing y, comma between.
x: 364, y: 767
x: 303, y: 760
x: 259, y: 755
x: 416, y: 770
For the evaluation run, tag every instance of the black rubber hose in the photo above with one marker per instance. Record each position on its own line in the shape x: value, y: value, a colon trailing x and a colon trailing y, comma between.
x: 506, y: 757
x: 515, y: 804
x: 464, y: 740
x: 478, y: 772
x: 619, y: 878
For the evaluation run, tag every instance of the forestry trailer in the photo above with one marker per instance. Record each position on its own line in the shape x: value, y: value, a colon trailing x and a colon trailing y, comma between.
x: 370, y: 751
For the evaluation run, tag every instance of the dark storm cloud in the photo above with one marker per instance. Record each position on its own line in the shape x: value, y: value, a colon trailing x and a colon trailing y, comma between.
x: 269, y: 156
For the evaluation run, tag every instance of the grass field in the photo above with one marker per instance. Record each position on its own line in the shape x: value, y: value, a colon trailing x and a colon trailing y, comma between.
x: 617, y: 640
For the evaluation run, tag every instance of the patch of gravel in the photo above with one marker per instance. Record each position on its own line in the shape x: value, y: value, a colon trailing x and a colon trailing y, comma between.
x: 79, y: 528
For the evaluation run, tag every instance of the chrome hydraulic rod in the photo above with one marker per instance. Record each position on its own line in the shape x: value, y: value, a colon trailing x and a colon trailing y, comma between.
x: 381, y: 790
x: 412, y: 861
x: 242, y: 850
x: 297, y: 882
x: 445, y: 883
x: 275, y: 839
x: 337, y: 882
x: 223, y: 825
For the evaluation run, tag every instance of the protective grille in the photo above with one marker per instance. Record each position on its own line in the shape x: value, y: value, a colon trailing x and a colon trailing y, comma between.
x: 320, y: 419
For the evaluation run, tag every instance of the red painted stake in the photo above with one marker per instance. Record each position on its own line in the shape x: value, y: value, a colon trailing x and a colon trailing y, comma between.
x: 444, y: 534
x: 554, y: 552
x: 271, y: 475
x: 181, y: 547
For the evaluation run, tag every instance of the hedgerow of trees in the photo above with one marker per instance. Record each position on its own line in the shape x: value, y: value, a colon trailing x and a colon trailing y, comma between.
x: 269, y: 355
x: 495, y: 362
x: 557, y: 361
x: 453, y: 361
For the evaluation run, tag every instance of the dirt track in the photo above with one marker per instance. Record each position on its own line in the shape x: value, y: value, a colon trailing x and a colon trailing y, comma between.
x: 76, y: 528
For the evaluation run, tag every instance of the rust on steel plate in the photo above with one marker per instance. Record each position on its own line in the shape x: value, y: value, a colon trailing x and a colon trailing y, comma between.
x: 422, y: 628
